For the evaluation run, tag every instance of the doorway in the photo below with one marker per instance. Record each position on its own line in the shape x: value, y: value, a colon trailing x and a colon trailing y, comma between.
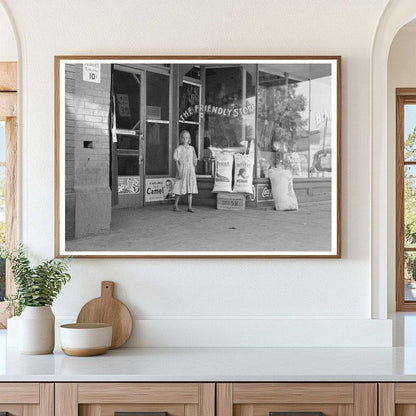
x: 127, y: 147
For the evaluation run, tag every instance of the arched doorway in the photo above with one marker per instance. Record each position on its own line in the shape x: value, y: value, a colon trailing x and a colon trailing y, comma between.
x: 396, y: 14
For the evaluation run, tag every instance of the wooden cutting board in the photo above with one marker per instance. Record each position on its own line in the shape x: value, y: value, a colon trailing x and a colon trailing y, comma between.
x: 107, y: 309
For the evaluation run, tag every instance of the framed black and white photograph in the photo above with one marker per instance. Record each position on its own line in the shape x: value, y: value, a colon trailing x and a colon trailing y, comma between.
x: 198, y: 156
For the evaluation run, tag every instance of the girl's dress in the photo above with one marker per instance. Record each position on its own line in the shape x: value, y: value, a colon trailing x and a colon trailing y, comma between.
x: 187, y: 159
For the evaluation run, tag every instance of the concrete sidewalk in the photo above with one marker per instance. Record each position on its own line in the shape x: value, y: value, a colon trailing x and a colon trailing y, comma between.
x: 159, y: 228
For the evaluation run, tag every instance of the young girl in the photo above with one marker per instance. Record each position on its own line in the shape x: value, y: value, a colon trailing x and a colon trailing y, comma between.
x: 185, y: 158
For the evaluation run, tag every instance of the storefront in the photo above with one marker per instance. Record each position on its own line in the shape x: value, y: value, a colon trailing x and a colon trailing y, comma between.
x: 279, y: 114
x: 123, y: 120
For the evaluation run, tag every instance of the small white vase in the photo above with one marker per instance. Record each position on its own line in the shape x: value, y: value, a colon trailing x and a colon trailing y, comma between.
x: 37, y: 330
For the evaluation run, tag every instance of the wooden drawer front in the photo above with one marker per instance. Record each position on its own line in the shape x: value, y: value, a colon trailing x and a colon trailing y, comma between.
x: 110, y: 409
x: 19, y: 393
x: 397, y: 399
x: 27, y: 399
x: 332, y: 399
x: 138, y: 393
x: 104, y: 399
x: 265, y: 409
x: 293, y: 393
x: 12, y: 409
x: 405, y: 393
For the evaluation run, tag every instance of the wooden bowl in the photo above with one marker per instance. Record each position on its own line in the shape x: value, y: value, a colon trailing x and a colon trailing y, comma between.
x: 84, y: 340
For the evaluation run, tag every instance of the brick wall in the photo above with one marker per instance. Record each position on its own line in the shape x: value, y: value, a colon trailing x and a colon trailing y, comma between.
x: 87, y: 153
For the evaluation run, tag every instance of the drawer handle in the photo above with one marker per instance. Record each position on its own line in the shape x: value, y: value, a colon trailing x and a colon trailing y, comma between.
x: 138, y: 414
x: 296, y: 414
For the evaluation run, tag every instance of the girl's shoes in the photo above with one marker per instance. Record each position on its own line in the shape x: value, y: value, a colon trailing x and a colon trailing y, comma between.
x: 176, y: 209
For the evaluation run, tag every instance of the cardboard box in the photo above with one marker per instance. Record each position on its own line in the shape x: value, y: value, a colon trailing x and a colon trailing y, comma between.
x: 231, y: 202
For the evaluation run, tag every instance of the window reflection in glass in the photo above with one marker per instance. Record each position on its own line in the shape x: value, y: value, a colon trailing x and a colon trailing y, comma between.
x: 157, y: 96
x: 127, y: 142
x: 230, y: 107
x: 194, y: 72
x: 157, y: 149
x: 189, y: 102
x: 128, y: 165
x: 126, y: 87
x: 190, y: 116
x: 294, y: 119
x: 157, y: 127
x: 320, y: 127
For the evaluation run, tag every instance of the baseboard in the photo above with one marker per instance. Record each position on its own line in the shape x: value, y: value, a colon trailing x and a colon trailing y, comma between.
x: 166, y: 332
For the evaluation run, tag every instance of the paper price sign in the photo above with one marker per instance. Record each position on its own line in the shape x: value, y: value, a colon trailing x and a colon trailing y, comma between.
x: 91, y: 72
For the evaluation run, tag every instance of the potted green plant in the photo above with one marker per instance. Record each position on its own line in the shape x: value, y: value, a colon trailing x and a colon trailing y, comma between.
x: 36, y: 289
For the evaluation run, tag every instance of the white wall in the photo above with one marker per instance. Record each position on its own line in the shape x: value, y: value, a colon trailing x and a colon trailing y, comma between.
x: 401, y: 74
x: 8, y: 47
x: 179, y: 302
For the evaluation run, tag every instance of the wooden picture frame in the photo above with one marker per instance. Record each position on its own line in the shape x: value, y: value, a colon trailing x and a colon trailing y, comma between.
x: 404, y: 96
x: 119, y: 119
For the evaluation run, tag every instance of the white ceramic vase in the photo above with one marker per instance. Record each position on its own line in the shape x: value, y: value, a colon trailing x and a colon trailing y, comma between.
x: 37, y: 330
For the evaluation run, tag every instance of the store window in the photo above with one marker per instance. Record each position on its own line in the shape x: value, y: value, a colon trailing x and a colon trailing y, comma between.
x: 190, y: 115
x: 406, y: 200
x: 294, y: 119
x: 157, y: 124
x: 127, y: 95
x: 194, y: 72
x: 230, y: 108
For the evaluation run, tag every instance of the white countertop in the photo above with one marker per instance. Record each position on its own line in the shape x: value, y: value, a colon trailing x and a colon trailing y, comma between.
x: 222, y: 364
x: 213, y: 364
